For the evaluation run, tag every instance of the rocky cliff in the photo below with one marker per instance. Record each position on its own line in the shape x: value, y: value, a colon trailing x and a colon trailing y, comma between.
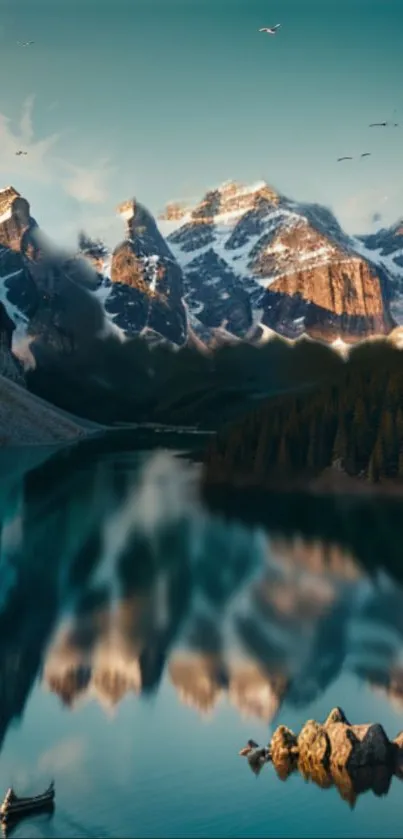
x: 17, y: 246
x: 146, y: 291
x: 245, y: 261
x: 339, y: 297
x: 10, y: 367
x: 14, y: 217
x: 385, y: 248
x: 386, y: 245
x: 253, y: 257
x: 141, y: 294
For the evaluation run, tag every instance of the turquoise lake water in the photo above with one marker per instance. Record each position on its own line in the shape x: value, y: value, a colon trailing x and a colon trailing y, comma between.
x: 145, y: 635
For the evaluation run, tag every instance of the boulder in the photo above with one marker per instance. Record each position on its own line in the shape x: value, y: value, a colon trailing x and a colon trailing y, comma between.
x: 336, y: 715
x: 353, y: 758
x: 284, y: 751
x: 398, y: 754
x: 313, y: 745
x: 356, y: 746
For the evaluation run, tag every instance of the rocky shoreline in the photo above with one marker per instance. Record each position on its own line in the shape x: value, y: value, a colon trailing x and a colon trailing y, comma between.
x: 353, y: 758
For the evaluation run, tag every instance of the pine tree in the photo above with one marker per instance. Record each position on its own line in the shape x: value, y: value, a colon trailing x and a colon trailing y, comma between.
x: 375, y: 463
x: 340, y: 443
x: 362, y: 434
x: 283, y: 456
x: 399, y: 431
x: 390, y: 452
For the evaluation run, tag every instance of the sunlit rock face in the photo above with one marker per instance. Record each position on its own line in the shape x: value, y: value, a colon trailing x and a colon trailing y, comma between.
x: 14, y: 218
x: 242, y: 263
x: 147, y: 283
x: 252, y: 256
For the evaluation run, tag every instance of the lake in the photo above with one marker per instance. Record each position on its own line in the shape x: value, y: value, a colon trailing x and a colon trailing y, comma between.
x: 148, y: 630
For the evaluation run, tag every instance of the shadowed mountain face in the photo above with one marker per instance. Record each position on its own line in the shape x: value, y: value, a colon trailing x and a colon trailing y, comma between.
x: 251, y: 255
x: 150, y: 586
x: 144, y: 294
x: 244, y: 261
x: 147, y: 282
x: 10, y: 367
x: 69, y: 322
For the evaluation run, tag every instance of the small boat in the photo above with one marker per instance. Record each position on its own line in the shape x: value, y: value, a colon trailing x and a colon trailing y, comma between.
x: 14, y: 807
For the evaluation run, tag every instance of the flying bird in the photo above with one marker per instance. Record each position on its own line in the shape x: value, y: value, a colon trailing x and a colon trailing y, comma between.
x: 366, y: 154
x: 270, y: 30
x: 381, y: 124
x: 19, y: 153
x: 339, y: 159
x: 25, y: 43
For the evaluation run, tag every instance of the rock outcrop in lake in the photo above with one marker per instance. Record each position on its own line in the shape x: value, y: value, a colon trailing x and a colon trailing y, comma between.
x: 353, y: 758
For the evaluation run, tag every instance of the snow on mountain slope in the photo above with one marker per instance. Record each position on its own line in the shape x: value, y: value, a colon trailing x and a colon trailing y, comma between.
x: 377, y: 255
x: 244, y: 260
x: 141, y: 284
x: 385, y: 249
x: 215, y: 254
x: 251, y: 256
x: 20, y: 319
x: 195, y: 235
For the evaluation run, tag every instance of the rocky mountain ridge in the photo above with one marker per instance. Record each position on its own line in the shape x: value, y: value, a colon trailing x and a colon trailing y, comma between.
x: 253, y: 257
x: 244, y: 263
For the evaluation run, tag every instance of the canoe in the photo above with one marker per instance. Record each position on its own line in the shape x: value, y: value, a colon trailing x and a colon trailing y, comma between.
x: 15, y: 806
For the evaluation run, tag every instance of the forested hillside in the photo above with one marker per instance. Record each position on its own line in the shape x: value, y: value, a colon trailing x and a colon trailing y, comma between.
x: 353, y: 423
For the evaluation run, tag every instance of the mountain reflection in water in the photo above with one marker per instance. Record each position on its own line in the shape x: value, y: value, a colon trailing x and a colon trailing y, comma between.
x: 113, y: 574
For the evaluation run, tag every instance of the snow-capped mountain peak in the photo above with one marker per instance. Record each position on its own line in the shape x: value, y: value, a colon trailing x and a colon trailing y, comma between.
x: 242, y: 262
x: 242, y: 249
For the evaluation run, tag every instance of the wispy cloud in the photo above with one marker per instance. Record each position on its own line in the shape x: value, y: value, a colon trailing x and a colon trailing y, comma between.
x: 84, y: 184
x: 87, y: 184
x: 369, y: 206
x: 36, y: 164
x: 26, y: 126
x: 105, y: 226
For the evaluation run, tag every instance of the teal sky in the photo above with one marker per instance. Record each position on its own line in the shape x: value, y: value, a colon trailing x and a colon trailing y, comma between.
x: 163, y: 99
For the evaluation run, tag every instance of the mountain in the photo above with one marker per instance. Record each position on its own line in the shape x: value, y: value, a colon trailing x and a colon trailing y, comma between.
x: 146, y: 277
x: 141, y: 284
x: 15, y: 288
x: 385, y: 249
x: 25, y: 419
x: 79, y: 336
x: 138, y: 288
x: 385, y: 246
x: 243, y: 263
x: 252, y: 257
x: 10, y: 367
